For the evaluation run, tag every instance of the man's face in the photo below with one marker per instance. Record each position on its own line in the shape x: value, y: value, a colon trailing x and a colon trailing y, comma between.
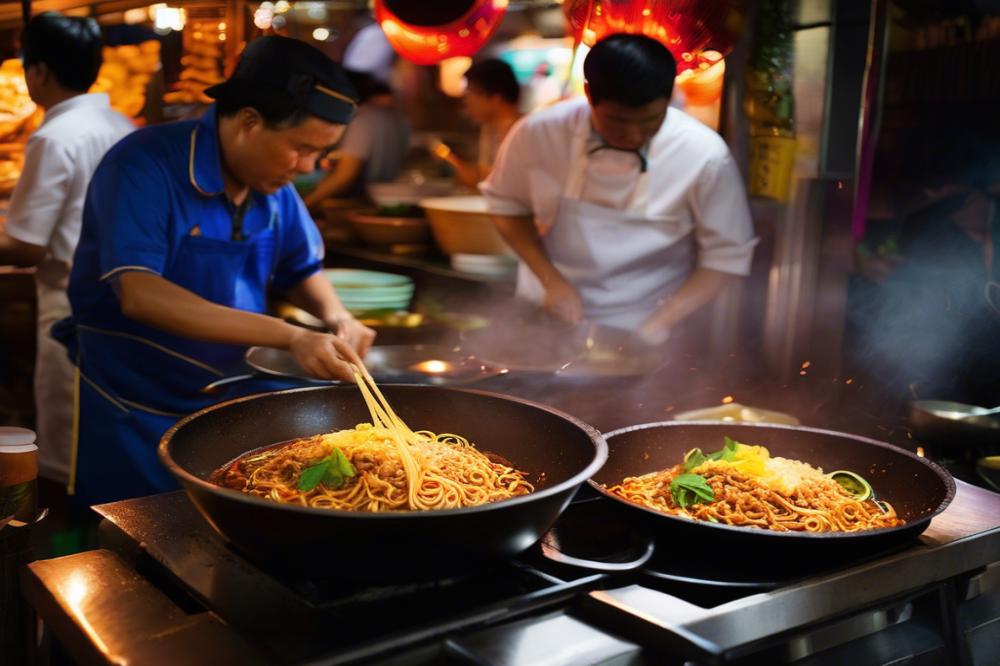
x: 479, y: 105
x: 266, y: 159
x: 628, y: 127
x: 34, y: 77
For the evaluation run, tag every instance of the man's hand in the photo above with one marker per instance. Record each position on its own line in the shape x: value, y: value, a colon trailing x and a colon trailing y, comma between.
x: 353, y: 332
x: 653, y: 333
x: 562, y: 300
x: 324, y: 355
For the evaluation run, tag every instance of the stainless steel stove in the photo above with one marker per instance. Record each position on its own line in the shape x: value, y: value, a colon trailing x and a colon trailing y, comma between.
x: 166, y: 589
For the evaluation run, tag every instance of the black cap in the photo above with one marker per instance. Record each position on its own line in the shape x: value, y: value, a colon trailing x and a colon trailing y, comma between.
x: 285, y: 65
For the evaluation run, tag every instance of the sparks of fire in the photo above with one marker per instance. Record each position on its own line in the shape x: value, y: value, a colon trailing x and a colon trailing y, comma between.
x: 806, y: 365
x: 849, y: 381
x: 433, y: 367
x: 728, y: 399
x: 920, y: 451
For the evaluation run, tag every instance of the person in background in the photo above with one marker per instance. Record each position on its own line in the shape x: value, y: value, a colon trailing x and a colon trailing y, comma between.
x: 622, y: 213
x: 373, y: 147
x: 491, y: 100
x: 62, y: 56
x: 369, y: 51
x: 186, y: 228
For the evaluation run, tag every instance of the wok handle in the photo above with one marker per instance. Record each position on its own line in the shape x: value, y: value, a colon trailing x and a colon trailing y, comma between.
x: 219, y: 384
x: 991, y: 463
x: 553, y: 555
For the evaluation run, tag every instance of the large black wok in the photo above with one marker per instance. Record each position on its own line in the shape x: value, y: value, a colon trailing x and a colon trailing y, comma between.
x: 916, y: 487
x: 558, y: 452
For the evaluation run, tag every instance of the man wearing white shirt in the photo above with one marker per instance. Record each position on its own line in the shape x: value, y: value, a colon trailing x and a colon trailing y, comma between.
x: 622, y: 212
x: 62, y: 56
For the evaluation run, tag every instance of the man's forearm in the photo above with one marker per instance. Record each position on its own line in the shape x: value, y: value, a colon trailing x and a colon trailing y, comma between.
x: 522, y: 236
x: 337, y: 182
x: 703, y: 285
x: 317, y: 296
x: 18, y: 253
x: 157, y: 302
x: 466, y: 173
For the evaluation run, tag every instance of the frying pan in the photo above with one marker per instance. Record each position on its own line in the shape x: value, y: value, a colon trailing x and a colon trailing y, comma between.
x: 557, y: 451
x: 952, y: 423
x: 386, y: 363
x: 917, y: 488
x: 531, y: 342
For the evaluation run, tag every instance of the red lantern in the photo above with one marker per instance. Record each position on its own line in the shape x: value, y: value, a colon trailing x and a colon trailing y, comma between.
x: 687, y: 27
x: 429, y: 31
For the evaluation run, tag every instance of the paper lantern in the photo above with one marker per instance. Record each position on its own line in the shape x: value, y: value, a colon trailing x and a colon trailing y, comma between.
x: 688, y: 28
x: 429, y: 31
x: 702, y: 85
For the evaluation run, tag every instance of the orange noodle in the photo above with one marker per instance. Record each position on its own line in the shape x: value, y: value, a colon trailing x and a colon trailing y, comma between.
x: 392, y: 467
x: 751, y: 489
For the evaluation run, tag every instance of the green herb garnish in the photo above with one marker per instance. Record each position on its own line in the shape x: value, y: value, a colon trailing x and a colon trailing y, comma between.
x: 688, y: 489
x: 332, y: 471
x: 696, y: 457
x: 693, y: 458
x: 728, y: 452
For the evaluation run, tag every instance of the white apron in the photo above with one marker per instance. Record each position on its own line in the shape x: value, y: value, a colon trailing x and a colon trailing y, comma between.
x: 623, y: 262
x: 53, y: 375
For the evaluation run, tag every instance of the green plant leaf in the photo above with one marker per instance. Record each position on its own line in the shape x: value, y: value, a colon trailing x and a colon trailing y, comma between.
x: 688, y: 489
x: 333, y: 478
x: 729, y: 449
x: 312, y: 475
x: 342, y: 462
x: 694, y: 458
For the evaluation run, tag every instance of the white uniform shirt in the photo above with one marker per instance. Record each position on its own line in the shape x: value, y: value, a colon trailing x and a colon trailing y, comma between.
x: 46, y: 207
x: 379, y: 136
x: 692, y: 178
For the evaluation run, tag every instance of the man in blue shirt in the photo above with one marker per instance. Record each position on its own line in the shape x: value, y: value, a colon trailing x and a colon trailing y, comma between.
x: 185, y: 228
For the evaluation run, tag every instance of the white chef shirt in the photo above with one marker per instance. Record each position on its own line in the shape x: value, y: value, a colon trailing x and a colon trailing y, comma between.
x: 692, y: 178
x: 379, y: 136
x: 46, y: 207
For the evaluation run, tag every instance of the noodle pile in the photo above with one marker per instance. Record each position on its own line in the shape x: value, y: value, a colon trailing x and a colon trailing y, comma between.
x: 394, y: 468
x: 805, y: 500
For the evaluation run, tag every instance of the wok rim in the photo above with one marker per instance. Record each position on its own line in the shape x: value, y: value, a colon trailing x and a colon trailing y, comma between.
x: 940, y: 472
x: 188, y: 479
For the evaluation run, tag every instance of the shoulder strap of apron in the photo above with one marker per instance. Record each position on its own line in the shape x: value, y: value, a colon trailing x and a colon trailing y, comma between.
x: 573, y: 188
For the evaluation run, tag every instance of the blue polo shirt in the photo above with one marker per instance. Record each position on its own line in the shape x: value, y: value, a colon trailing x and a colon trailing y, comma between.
x: 156, y: 203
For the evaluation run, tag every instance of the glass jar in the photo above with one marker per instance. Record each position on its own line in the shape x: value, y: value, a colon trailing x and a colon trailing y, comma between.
x: 18, y: 475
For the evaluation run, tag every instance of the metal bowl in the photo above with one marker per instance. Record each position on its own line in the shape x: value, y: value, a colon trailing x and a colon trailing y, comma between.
x: 382, y: 230
x: 461, y: 225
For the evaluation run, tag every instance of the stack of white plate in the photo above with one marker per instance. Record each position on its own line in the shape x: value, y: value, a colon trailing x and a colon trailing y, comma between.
x: 493, y: 265
x: 365, y: 291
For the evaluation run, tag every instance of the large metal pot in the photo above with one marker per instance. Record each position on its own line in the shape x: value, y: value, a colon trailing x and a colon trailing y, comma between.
x: 558, y: 452
x: 917, y: 488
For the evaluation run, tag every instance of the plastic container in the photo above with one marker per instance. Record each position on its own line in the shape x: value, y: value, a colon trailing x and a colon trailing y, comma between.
x: 18, y: 475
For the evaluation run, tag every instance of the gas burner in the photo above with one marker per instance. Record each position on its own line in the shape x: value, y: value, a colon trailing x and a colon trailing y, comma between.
x: 595, y: 589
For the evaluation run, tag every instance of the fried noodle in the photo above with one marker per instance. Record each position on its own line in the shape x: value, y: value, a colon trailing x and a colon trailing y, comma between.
x: 816, y: 503
x: 396, y: 469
